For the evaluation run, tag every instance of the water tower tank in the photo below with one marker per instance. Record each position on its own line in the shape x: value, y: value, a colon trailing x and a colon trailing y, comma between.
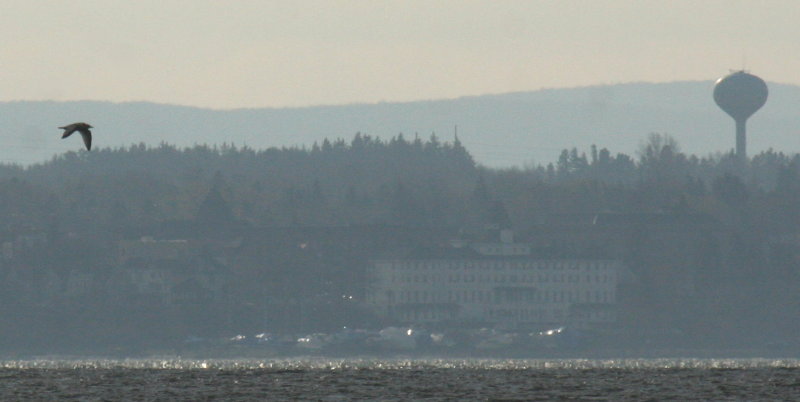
x: 740, y: 95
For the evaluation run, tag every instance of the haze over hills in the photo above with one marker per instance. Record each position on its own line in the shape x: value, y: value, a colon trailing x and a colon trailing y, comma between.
x: 503, y: 130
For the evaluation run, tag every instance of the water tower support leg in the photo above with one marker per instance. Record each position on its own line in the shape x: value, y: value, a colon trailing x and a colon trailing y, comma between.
x: 741, y: 141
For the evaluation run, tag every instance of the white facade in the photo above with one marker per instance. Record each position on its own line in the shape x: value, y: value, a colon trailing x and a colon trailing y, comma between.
x: 500, y: 291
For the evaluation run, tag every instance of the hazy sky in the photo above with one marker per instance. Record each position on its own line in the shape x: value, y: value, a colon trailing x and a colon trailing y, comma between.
x: 228, y: 54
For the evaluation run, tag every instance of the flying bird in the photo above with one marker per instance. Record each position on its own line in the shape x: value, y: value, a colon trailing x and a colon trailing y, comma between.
x: 82, y: 128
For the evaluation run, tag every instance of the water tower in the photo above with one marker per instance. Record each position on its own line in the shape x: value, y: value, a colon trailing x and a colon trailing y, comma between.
x: 740, y: 95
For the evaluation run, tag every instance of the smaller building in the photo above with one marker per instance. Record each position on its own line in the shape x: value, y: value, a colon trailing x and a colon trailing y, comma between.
x: 21, y: 244
x: 506, y: 247
x: 148, y: 249
x: 175, y: 271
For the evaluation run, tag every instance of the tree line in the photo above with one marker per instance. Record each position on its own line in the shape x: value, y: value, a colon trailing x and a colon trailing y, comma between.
x: 397, y: 181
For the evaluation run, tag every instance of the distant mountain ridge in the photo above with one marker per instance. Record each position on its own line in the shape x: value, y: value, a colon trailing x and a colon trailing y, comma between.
x: 513, y: 129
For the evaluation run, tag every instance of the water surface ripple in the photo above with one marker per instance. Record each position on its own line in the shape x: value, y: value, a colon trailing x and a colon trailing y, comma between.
x: 400, y: 379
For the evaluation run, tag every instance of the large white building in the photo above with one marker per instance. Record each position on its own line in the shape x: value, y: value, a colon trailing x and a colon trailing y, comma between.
x: 501, y: 289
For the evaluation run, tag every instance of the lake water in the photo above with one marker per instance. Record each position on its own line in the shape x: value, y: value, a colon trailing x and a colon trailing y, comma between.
x: 400, y: 379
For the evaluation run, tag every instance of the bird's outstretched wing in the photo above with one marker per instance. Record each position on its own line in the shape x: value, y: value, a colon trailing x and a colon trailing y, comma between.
x: 68, y: 130
x: 87, y: 137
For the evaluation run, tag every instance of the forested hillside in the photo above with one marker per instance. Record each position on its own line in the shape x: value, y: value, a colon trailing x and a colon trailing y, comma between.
x: 293, y: 229
x: 401, y: 181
